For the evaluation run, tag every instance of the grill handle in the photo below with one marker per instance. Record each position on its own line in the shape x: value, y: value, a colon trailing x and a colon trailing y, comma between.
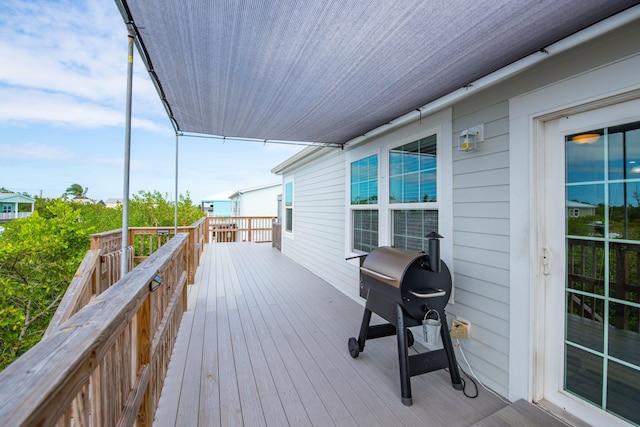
x: 431, y: 294
x: 377, y: 275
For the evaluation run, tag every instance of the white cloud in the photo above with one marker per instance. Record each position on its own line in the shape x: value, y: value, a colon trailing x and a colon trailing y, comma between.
x: 32, y: 151
x: 38, y: 106
x: 74, y: 53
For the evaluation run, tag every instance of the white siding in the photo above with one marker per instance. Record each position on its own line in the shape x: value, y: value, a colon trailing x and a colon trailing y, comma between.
x: 481, y: 243
x: 259, y: 202
x: 482, y: 214
x: 317, y: 241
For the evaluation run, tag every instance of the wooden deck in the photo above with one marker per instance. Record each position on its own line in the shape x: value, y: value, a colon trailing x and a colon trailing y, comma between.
x: 264, y: 342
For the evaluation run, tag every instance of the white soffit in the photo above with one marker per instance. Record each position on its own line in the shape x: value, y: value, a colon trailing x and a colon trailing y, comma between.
x: 329, y: 71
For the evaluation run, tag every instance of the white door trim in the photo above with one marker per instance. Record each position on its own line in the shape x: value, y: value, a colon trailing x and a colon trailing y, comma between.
x: 527, y: 113
x: 548, y: 381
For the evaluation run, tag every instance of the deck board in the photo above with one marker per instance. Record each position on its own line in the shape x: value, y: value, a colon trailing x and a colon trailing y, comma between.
x: 264, y: 342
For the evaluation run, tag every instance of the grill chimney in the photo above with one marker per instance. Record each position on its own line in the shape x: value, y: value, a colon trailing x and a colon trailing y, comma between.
x: 434, y: 251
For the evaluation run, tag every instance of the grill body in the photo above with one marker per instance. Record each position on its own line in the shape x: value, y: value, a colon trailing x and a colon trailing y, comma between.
x: 406, y: 277
x: 401, y: 286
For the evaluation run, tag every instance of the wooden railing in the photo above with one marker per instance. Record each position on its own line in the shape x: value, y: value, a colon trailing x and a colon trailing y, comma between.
x: 104, y: 357
x: 105, y: 365
x: 146, y: 240
x: 277, y: 236
x: 585, y: 272
x: 240, y: 229
x: 101, y: 266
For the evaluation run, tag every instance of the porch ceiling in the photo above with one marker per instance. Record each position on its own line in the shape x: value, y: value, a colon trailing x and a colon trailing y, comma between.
x: 329, y: 71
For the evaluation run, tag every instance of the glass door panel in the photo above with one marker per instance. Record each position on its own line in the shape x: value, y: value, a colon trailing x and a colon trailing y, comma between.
x: 602, y: 282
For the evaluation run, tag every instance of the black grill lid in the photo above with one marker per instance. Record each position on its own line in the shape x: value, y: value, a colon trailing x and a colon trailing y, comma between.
x: 389, y: 265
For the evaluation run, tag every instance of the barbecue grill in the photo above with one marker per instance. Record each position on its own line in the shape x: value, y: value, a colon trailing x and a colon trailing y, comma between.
x: 401, y: 287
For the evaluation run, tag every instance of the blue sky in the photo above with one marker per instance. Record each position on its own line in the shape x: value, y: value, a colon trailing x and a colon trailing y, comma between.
x: 62, y: 111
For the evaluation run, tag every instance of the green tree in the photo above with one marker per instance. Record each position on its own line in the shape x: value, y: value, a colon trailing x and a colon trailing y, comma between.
x: 38, y: 258
x: 40, y: 254
x: 151, y: 209
x: 76, y: 191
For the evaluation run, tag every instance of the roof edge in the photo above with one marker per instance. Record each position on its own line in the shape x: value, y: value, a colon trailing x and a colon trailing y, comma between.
x: 303, y: 156
x: 259, y: 187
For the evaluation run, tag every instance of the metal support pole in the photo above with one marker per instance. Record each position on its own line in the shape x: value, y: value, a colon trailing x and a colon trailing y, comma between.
x: 124, y: 262
x: 175, y: 214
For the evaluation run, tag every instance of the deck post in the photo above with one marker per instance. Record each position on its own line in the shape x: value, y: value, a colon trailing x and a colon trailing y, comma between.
x: 124, y: 265
x: 175, y: 211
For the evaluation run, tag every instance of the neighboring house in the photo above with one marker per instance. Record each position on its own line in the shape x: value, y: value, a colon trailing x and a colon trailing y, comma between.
x: 13, y: 205
x: 578, y: 209
x: 256, y: 201
x: 84, y: 201
x: 216, y: 207
x: 502, y: 210
x: 113, y: 202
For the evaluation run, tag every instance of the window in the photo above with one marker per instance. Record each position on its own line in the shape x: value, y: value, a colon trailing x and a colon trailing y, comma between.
x: 394, y: 191
x: 364, y: 201
x: 412, y: 185
x: 364, y: 181
x: 6, y: 208
x: 412, y: 172
x: 411, y: 226
x: 365, y: 230
x: 288, y: 205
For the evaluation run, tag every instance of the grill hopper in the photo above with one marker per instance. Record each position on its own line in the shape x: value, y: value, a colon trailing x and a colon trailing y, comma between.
x: 406, y: 277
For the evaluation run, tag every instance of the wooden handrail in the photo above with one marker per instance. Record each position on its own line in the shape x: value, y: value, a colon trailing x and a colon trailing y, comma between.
x: 100, y: 267
x: 79, y: 292
x: 104, y: 365
x: 104, y: 356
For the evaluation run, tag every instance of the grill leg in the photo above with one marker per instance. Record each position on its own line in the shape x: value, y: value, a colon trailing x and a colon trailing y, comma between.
x: 403, y: 355
x: 451, y: 357
x: 364, y: 328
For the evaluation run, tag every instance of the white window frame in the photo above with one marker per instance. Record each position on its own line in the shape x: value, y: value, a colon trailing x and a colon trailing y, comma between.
x: 285, y: 228
x: 351, y: 208
x: 419, y: 206
x: 439, y: 124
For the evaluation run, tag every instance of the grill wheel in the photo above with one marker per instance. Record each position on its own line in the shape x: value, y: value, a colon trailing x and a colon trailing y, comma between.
x: 354, y: 347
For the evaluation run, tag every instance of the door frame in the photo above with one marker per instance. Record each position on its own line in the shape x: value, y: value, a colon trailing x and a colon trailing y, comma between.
x: 550, y: 291
x: 599, y: 87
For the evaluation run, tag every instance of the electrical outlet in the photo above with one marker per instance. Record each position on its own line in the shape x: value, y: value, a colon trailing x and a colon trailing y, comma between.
x: 460, y: 329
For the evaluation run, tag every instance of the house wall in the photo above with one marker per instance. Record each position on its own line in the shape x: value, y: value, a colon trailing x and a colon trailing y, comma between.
x: 493, y: 251
x: 259, y: 202
x: 486, y: 250
x: 317, y: 241
x: 481, y: 240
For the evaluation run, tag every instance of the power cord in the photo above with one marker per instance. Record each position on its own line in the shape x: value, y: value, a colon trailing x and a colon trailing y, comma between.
x: 464, y: 384
x: 457, y: 344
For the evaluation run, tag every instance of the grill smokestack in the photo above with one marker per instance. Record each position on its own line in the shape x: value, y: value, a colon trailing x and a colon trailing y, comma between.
x: 434, y: 251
